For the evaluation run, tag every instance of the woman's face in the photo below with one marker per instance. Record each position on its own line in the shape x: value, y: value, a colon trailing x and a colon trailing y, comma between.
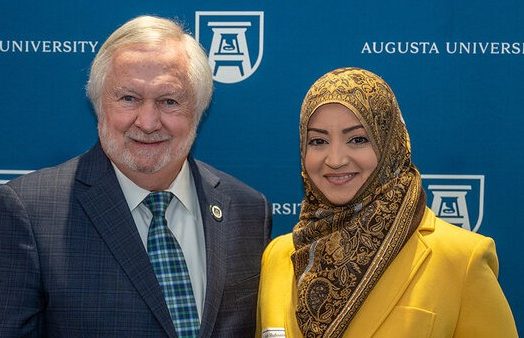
x: 339, y: 155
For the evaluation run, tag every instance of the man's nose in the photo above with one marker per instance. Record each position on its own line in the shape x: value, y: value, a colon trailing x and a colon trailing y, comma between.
x: 148, y: 117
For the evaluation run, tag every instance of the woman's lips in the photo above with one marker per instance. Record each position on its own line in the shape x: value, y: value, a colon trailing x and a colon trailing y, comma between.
x: 339, y: 179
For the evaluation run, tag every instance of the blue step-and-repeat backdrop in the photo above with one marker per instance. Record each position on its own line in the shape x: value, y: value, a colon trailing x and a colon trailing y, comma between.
x: 457, y: 68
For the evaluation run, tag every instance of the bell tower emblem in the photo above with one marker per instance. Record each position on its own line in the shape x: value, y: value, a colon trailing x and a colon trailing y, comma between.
x: 235, y: 42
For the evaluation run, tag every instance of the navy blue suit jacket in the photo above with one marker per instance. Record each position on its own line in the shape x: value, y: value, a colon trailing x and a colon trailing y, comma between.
x: 72, y: 263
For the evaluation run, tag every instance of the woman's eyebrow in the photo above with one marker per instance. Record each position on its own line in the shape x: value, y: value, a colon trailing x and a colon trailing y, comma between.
x: 344, y: 131
x: 350, y: 129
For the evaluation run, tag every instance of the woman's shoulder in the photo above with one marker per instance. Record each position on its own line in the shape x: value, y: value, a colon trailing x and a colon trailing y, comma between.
x: 440, y: 228
x: 452, y: 239
x: 280, y: 248
x: 277, y: 270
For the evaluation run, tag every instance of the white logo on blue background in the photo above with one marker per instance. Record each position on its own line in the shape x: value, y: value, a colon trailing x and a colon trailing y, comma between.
x: 235, y: 41
x: 457, y: 199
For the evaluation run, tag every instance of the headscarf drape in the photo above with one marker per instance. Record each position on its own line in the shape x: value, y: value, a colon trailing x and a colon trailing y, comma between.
x: 342, y: 251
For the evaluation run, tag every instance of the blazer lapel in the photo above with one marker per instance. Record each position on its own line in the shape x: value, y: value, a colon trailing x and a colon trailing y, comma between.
x: 105, y: 205
x: 391, y: 286
x: 215, y: 231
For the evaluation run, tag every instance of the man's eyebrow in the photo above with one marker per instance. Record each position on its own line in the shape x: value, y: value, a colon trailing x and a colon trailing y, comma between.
x: 124, y: 89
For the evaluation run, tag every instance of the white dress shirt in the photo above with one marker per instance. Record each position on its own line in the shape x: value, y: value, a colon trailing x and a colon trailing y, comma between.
x: 183, y: 219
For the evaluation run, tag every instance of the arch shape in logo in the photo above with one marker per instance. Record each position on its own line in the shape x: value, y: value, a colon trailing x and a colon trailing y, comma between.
x: 234, y: 40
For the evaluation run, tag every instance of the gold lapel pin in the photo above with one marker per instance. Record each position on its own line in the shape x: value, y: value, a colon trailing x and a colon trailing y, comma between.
x: 216, y: 212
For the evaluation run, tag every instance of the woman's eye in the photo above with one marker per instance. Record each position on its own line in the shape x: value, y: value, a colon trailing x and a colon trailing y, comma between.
x: 359, y: 140
x: 316, y: 142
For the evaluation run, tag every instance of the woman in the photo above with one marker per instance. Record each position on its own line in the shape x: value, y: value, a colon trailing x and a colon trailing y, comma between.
x: 367, y: 257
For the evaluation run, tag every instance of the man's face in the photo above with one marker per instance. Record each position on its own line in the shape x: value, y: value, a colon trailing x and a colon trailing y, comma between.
x: 147, y: 118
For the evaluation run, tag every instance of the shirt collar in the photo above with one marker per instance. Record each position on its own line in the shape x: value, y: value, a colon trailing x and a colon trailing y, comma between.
x: 182, y: 187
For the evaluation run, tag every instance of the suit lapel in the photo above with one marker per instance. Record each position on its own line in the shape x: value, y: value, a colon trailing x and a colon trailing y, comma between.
x: 215, y: 232
x: 391, y: 286
x: 105, y: 205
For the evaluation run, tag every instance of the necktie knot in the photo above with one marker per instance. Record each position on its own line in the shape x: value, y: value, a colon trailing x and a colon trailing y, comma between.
x: 157, y: 202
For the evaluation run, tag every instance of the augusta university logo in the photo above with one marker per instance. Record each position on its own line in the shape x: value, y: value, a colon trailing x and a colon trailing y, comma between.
x: 457, y: 199
x: 235, y: 41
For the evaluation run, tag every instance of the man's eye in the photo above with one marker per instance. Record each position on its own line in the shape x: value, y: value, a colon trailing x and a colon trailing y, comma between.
x: 128, y: 98
x: 170, y: 102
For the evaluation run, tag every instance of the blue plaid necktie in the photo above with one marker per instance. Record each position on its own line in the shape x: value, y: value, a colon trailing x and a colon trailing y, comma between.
x: 170, y: 268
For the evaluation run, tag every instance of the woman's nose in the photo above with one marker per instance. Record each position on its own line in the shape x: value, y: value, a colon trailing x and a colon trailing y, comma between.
x: 336, y: 157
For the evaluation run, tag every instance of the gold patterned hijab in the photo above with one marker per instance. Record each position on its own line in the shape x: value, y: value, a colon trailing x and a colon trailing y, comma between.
x: 342, y: 251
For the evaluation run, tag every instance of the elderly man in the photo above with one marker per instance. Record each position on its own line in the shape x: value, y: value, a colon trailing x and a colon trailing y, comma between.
x: 134, y: 238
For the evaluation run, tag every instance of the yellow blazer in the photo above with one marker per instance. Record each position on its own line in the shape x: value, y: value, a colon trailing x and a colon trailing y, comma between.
x: 443, y: 283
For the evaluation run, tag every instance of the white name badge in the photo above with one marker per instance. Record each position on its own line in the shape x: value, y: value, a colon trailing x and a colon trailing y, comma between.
x: 274, y: 332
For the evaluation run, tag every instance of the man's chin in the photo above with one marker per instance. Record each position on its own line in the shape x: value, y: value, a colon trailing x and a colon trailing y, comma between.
x: 147, y: 170
x: 145, y: 167
x: 143, y: 163
x: 128, y: 163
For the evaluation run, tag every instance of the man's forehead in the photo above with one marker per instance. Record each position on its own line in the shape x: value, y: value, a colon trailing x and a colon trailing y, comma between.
x: 161, y: 47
